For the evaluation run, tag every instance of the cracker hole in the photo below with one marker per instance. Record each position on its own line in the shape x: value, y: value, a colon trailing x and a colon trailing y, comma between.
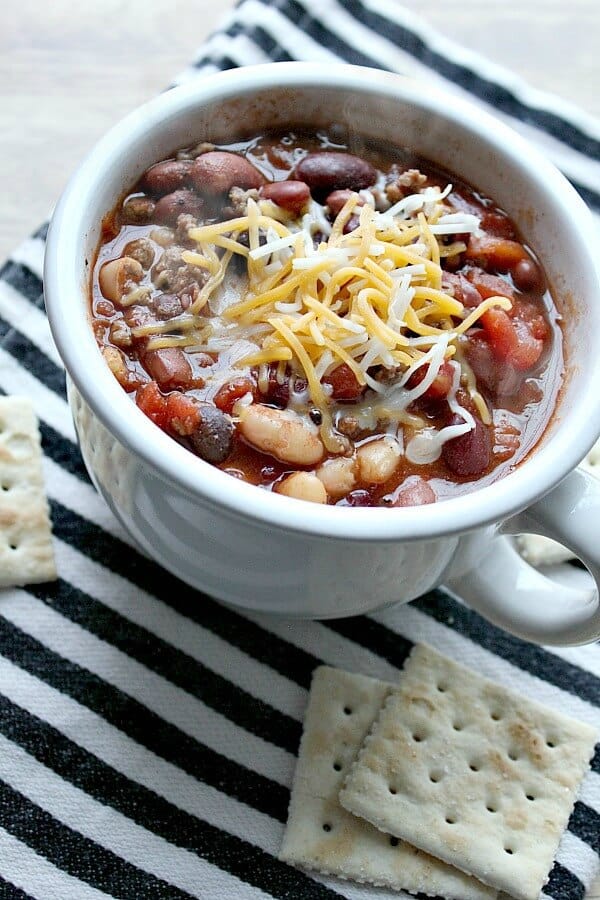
x: 393, y: 842
x: 530, y: 797
x: 450, y: 820
x: 435, y: 777
x: 550, y: 744
x: 13, y: 546
x: 509, y: 850
x: 458, y: 726
x: 417, y: 738
x: 513, y: 755
x: 474, y: 767
x: 441, y: 688
x: 5, y: 487
x: 337, y: 767
x: 392, y: 790
x: 495, y: 716
x: 347, y: 710
x: 326, y: 827
x: 491, y: 808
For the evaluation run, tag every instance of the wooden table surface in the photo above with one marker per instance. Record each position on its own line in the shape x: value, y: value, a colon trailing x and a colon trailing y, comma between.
x: 69, y: 70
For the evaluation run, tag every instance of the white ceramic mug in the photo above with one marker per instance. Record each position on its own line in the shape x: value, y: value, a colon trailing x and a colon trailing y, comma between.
x: 264, y: 551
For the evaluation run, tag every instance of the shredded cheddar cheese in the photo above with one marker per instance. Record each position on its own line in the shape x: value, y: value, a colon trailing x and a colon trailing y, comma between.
x: 315, y: 297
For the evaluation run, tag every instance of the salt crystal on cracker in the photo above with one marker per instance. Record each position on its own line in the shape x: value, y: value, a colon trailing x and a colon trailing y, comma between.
x: 322, y: 836
x: 471, y: 773
x: 26, y: 554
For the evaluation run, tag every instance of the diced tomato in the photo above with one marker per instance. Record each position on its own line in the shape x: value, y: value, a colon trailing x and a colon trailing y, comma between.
x: 511, y: 340
x: 498, y: 254
x: 232, y: 391
x: 173, y: 412
x: 154, y: 404
x: 439, y: 387
x: 344, y: 385
x: 490, y: 285
x: 182, y: 413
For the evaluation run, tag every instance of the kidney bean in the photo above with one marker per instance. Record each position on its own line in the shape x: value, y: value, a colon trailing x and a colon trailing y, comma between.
x: 469, y: 454
x: 277, y: 393
x: 213, y: 438
x: 170, y: 367
x: 336, y: 201
x: 527, y: 276
x: 441, y: 384
x: 166, y: 177
x: 343, y: 383
x: 461, y: 289
x: 359, y: 497
x: 352, y: 224
x: 232, y: 391
x: 217, y: 172
x: 290, y: 195
x: 415, y: 492
x: 170, y: 207
x: 328, y: 171
x: 137, y: 210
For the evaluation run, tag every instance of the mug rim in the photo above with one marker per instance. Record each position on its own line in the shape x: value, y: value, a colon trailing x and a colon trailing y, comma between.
x: 541, y: 470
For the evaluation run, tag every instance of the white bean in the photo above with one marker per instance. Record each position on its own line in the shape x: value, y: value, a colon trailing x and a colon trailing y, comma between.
x: 338, y: 475
x: 378, y: 460
x: 282, y: 433
x: 303, y: 486
x: 118, y: 276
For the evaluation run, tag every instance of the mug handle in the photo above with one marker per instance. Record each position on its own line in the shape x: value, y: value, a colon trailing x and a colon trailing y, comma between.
x: 512, y: 594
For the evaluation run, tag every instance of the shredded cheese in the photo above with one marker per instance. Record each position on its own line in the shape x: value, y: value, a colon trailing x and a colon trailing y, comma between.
x: 316, y: 297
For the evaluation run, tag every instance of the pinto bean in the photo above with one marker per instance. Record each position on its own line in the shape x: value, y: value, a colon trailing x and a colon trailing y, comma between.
x: 290, y: 195
x: 118, y: 277
x: 166, y: 177
x: 328, y: 171
x: 217, y: 172
x: 527, y: 275
x: 170, y: 367
x: 378, y: 460
x: 282, y: 433
x: 169, y: 208
x: 303, y: 486
x: 338, y: 476
x: 138, y: 210
x: 469, y: 454
x: 213, y: 438
x: 140, y: 250
x: 417, y: 492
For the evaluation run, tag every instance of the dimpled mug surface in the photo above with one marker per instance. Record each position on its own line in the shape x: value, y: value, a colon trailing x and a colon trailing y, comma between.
x: 265, y: 551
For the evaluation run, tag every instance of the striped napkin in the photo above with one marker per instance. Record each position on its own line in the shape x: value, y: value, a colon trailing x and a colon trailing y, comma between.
x: 147, y: 734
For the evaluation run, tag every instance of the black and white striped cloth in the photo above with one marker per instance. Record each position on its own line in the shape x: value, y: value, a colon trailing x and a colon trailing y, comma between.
x: 147, y: 734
